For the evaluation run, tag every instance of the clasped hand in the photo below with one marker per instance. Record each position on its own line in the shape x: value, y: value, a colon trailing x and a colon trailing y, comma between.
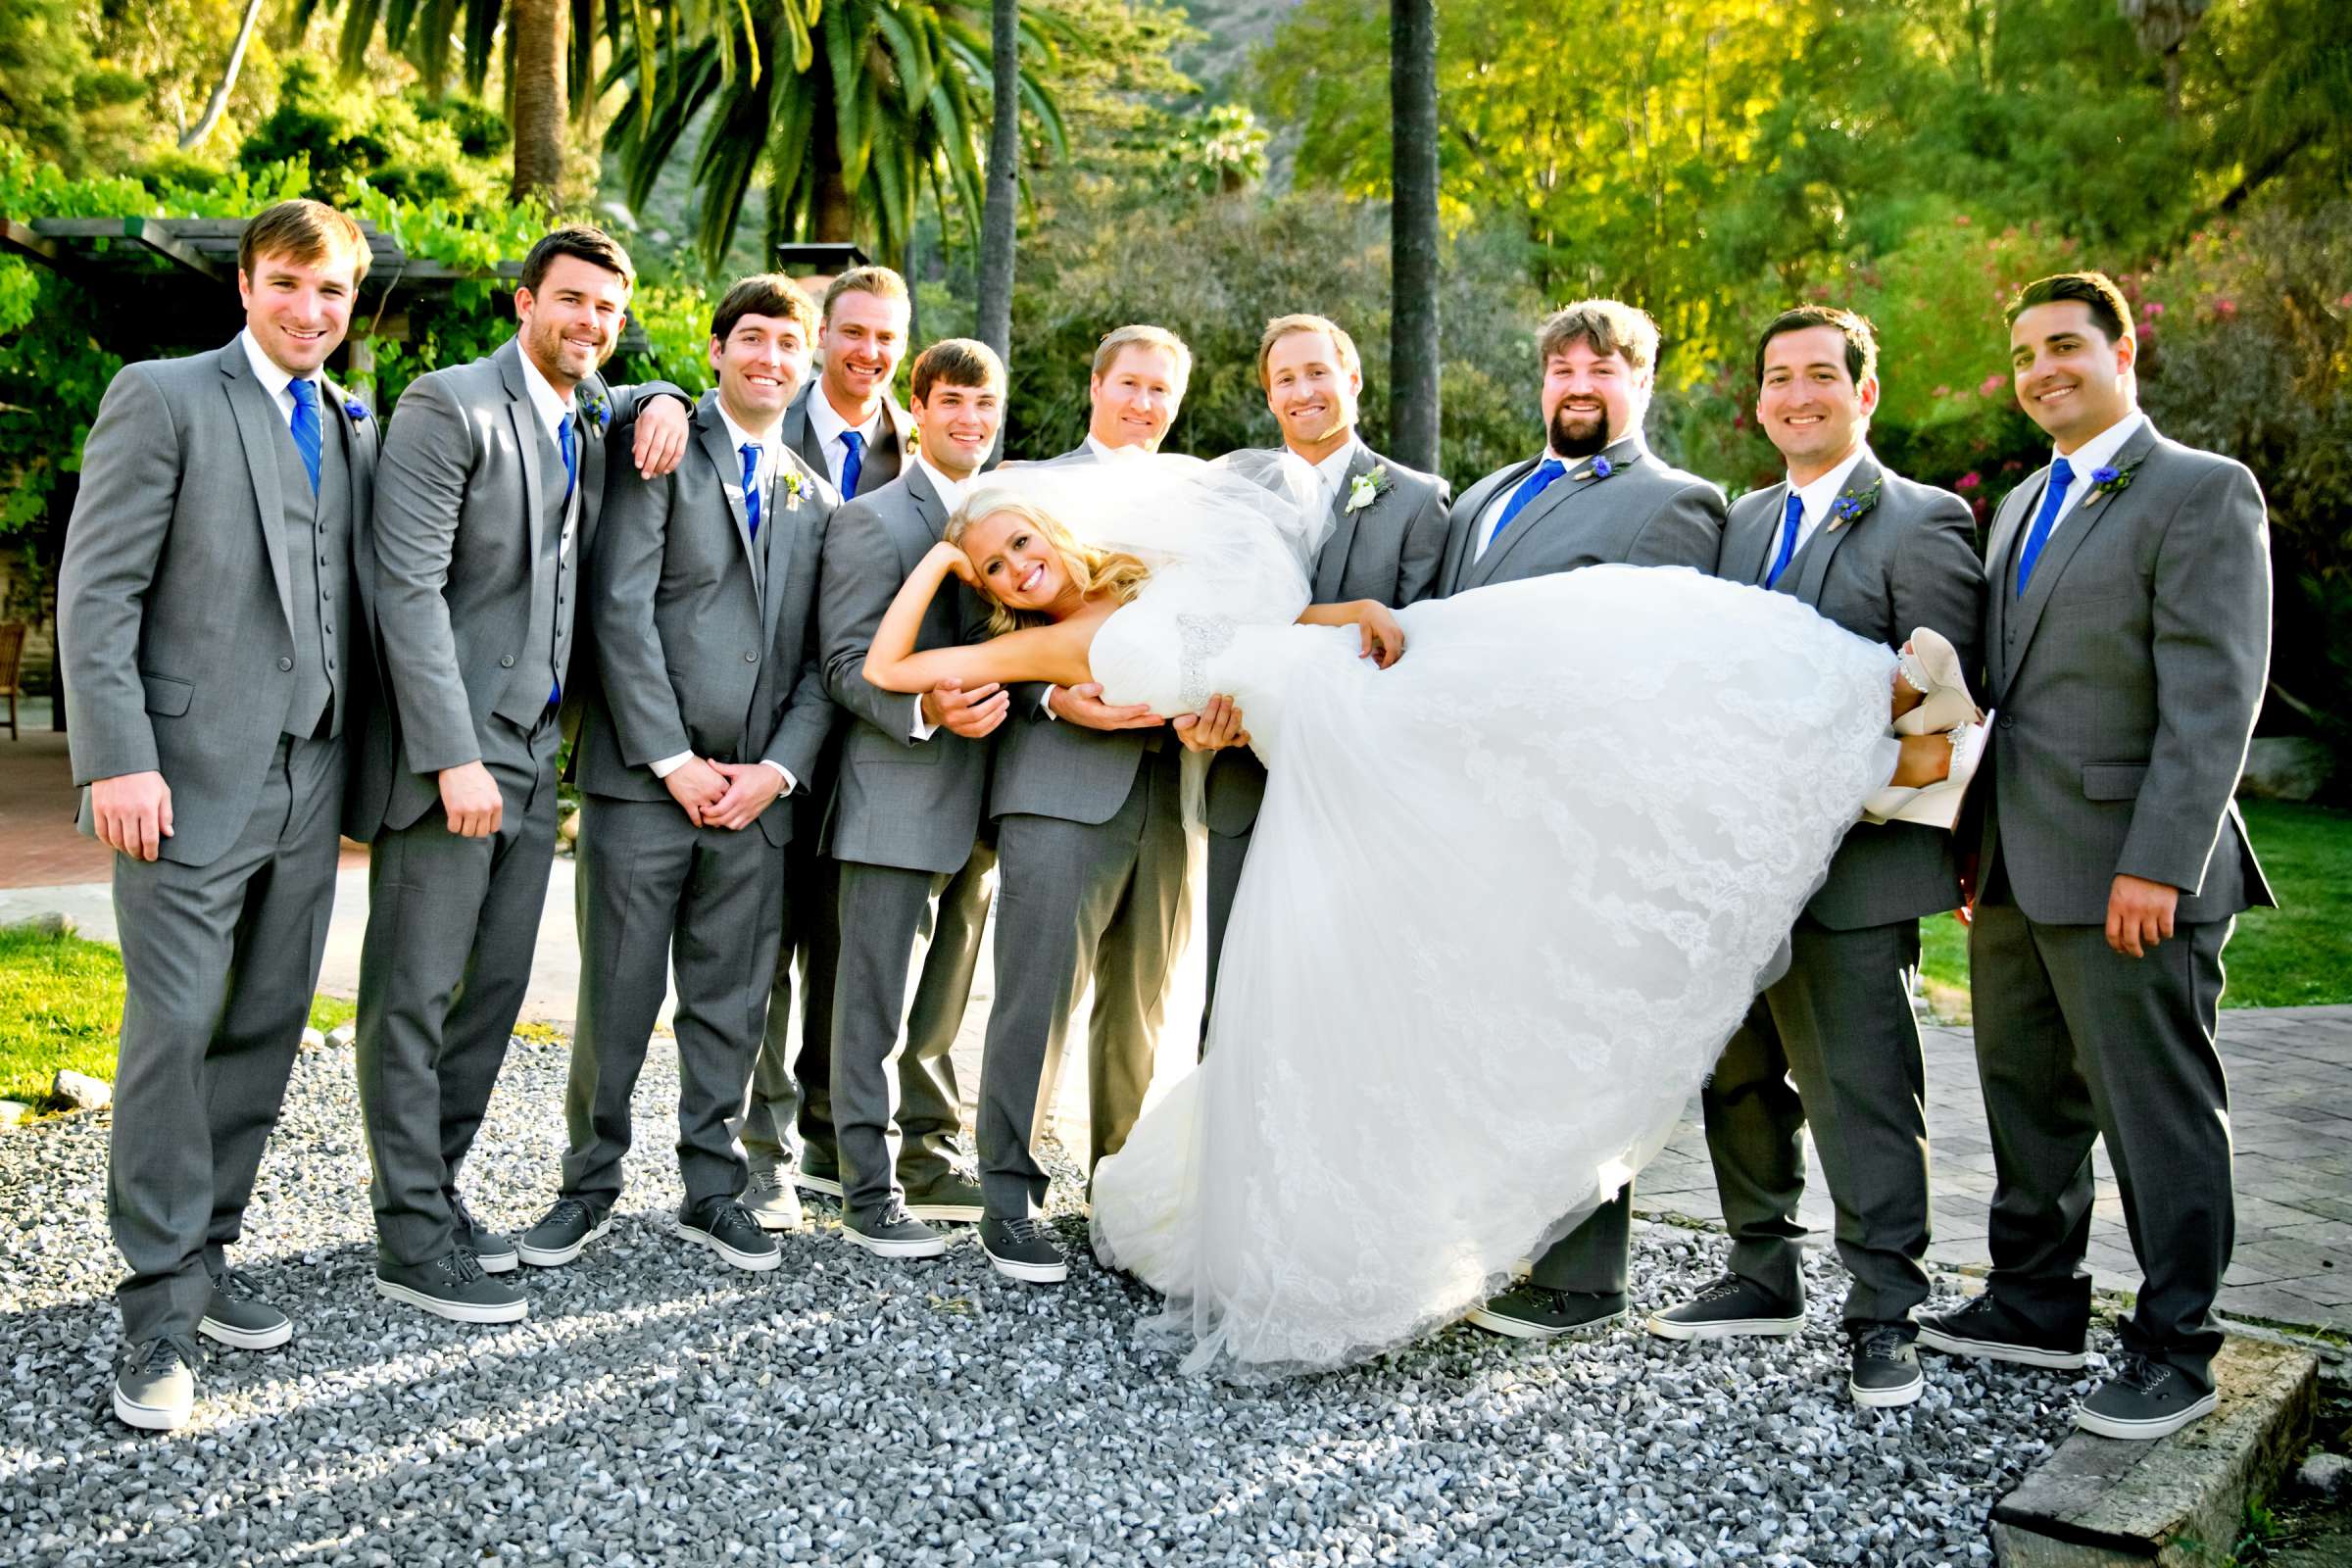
x: 728, y: 795
x: 1216, y: 726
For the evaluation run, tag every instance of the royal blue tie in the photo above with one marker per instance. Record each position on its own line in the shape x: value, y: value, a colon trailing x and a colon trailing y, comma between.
x: 852, y: 465
x: 305, y: 427
x: 751, y: 487
x: 569, y: 444
x: 1795, y: 519
x: 1532, y: 486
x: 2053, y: 496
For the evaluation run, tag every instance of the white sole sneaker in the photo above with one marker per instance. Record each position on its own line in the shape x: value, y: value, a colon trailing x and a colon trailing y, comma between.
x: 1886, y: 1399
x: 774, y: 1220
x: 1029, y: 1273
x: 455, y: 1311
x: 1997, y: 1351
x: 1520, y: 1328
x: 1730, y: 1328
x: 556, y: 1256
x: 828, y: 1186
x: 750, y: 1262
x: 151, y: 1417
x: 2142, y: 1430
x: 506, y: 1262
x: 238, y: 1338
x: 931, y: 1247
x: 946, y: 1213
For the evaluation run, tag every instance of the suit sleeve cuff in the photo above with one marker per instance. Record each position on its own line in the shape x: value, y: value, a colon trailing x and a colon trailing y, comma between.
x: 1045, y: 702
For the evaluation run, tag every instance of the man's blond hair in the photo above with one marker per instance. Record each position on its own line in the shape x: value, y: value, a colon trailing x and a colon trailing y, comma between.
x: 1283, y: 326
x: 307, y: 234
x: 1141, y: 336
x: 879, y: 282
x: 1605, y: 326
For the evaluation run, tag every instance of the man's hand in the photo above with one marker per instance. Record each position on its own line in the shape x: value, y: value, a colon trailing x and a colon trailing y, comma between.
x: 660, y: 436
x: 132, y: 812
x: 470, y: 801
x: 2140, y: 914
x: 1084, y: 705
x: 750, y: 788
x: 970, y: 714
x: 696, y: 785
x: 1216, y: 726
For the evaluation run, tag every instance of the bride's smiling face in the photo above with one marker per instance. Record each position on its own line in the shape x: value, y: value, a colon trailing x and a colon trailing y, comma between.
x: 1018, y: 565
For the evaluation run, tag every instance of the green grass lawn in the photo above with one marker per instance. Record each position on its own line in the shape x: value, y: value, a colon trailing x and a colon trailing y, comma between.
x: 61, y: 1001
x: 2298, y: 954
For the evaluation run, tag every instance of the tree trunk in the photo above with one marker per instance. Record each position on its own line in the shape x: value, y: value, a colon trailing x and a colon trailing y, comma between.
x: 1000, y: 220
x: 535, y: 86
x: 1413, y: 341
x: 227, y: 82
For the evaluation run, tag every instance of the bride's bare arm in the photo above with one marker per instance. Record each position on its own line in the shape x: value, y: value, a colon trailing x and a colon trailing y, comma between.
x: 1056, y: 653
x: 1383, y: 637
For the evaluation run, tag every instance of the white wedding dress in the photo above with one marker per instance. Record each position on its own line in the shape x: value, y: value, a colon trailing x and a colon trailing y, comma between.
x: 1504, y: 903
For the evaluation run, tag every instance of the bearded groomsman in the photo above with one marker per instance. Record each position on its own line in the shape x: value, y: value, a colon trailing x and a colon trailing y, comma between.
x: 1387, y: 541
x: 908, y: 841
x: 847, y: 428
x: 2127, y: 648
x: 1880, y: 556
x: 1595, y: 495
x: 493, y: 478
x: 207, y: 620
x: 1091, y: 851
x: 708, y: 708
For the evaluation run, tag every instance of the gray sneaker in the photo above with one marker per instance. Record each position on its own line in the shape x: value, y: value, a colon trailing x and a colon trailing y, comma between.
x: 893, y: 1233
x: 1023, y: 1249
x: 563, y: 1233
x: 155, y: 1384
x: 236, y: 1316
x: 2144, y: 1398
x: 490, y: 1248
x: 454, y: 1288
x: 1731, y: 1307
x: 1885, y: 1367
x: 952, y: 1196
x: 771, y: 1199
x: 728, y: 1229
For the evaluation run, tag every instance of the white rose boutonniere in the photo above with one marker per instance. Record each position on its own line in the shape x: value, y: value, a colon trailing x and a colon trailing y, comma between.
x: 792, y: 490
x: 1367, y: 488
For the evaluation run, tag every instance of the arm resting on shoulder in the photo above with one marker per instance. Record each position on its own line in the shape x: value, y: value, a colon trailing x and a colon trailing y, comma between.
x: 624, y: 577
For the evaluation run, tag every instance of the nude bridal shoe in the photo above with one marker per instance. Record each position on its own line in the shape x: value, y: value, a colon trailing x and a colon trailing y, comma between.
x: 1931, y: 666
x: 1935, y: 805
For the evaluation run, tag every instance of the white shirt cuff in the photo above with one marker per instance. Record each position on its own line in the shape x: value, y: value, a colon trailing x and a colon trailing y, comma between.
x: 1044, y: 703
x: 790, y: 783
x: 922, y: 730
x: 670, y: 765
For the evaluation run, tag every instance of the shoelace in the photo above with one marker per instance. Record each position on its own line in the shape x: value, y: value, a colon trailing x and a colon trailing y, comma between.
x: 1882, y: 1345
x: 1720, y: 1289
x: 566, y: 1210
x: 770, y: 1180
x: 235, y: 1285
x: 462, y: 1269
x: 2138, y: 1373
x: 161, y: 1356
x: 1026, y: 1230
x: 731, y: 1216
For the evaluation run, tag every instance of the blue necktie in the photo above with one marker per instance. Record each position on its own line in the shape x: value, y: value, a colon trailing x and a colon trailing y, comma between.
x: 852, y: 465
x: 1532, y: 486
x: 2053, y: 496
x: 751, y: 487
x: 568, y: 443
x: 1794, y: 520
x: 305, y: 427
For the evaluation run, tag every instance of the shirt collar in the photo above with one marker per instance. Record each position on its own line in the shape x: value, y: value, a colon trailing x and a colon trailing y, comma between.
x: 737, y: 436
x: 828, y: 423
x: 1333, y: 469
x: 951, y: 491
x: 552, y: 407
x: 2099, y: 451
x: 274, y: 377
x: 1818, y: 495
x: 1625, y: 449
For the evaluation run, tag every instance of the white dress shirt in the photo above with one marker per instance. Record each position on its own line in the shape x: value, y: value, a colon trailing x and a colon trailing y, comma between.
x: 1818, y: 497
x: 2091, y: 455
x: 277, y: 382
x: 553, y: 408
x: 830, y: 427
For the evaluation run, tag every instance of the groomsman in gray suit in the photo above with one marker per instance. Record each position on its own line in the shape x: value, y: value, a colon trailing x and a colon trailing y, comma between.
x: 1880, y: 556
x: 905, y: 831
x: 1595, y: 495
x: 1090, y: 852
x: 707, y: 709
x: 1387, y: 541
x: 208, y: 623
x: 493, y: 478
x: 2127, y: 648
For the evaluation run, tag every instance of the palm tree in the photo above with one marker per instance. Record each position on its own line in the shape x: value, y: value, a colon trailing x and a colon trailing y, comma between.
x: 536, y: 107
x: 1414, y: 233
x: 850, y: 108
x: 998, y: 220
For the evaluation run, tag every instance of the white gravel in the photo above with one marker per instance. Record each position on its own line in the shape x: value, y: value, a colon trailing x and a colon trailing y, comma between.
x: 658, y: 1407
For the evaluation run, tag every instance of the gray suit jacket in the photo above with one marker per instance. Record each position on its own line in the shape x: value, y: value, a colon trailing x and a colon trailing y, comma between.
x: 1644, y: 514
x: 882, y: 460
x: 1908, y: 561
x: 1390, y: 550
x: 174, y: 611
x: 705, y: 637
x: 2126, y: 680
x: 458, y: 523
x: 897, y: 800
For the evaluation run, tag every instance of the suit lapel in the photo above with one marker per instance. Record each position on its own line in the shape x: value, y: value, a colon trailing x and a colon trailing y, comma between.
x: 710, y: 432
x: 1751, y: 553
x: 931, y: 518
x: 591, y: 431
x: 1812, y: 564
x: 1556, y: 496
x: 529, y: 433
x: 1331, y: 564
x: 2073, y: 530
x: 1462, y: 536
x: 258, y: 426
x: 796, y: 557
x: 799, y: 433
x: 899, y: 427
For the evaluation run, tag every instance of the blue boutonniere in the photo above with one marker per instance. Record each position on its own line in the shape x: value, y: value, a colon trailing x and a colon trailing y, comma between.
x: 597, y: 409
x: 1851, y: 504
x: 2108, y: 481
x: 357, y: 410
x: 1601, y: 468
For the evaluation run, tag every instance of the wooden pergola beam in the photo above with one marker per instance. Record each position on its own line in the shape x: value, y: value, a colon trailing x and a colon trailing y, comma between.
x: 161, y: 240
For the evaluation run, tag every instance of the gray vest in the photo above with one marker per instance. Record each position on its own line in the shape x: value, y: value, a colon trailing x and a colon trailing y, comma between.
x: 545, y: 662
x: 317, y: 537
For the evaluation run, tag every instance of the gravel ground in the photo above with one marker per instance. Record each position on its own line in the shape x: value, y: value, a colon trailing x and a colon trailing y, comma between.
x: 658, y: 1407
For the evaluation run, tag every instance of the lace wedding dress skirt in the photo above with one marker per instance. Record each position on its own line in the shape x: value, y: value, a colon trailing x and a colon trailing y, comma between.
x: 1504, y: 904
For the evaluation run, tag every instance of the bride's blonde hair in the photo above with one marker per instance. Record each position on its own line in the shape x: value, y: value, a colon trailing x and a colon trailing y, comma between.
x: 1093, y: 570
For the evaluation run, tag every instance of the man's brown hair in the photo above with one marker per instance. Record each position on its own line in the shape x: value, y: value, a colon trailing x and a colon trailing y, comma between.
x: 1605, y: 326
x: 879, y: 282
x: 1283, y: 326
x: 763, y: 294
x: 591, y: 245
x: 305, y: 232
x: 1107, y: 353
x: 955, y: 361
x: 2110, y: 312
x: 1861, y: 344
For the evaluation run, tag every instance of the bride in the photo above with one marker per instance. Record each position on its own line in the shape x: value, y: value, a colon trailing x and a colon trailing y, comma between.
x: 1525, y: 856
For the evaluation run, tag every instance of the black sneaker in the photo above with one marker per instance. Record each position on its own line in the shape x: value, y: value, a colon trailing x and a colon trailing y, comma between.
x: 1535, y: 1312
x: 2143, y: 1400
x: 236, y: 1316
x: 1729, y: 1308
x: 1885, y: 1366
x: 818, y: 1173
x: 489, y: 1247
x: 1984, y: 1327
x: 563, y: 1233
x: 155, y: 1384
x: 1023, y: 1249
x: 953, y: 1196
x: 454, y: 1288
x: 770, y: 1197
x: 728, y: 1229
x: 893, y: 1233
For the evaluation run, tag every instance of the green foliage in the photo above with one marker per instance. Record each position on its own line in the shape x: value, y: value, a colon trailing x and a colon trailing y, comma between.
x: 61, y: 1005
x: 409, y: 148
x: 1219, y: 151
x: 54, y: 95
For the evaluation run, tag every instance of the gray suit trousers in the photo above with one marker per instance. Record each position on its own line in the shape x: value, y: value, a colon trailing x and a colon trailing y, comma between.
x: 1080, y: 901
x: 1840, y: 1023
x: 220, y: 961
x: 2075, y: 1042
x: 451, y: 923
x: 790, y: 1115
x: 655, y: 891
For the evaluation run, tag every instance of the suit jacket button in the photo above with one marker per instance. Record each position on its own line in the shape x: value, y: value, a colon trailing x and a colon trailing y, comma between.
x: 507, y: 662
x: 285, y: 663
x: 750, y: 658
x: 2007, y: 719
